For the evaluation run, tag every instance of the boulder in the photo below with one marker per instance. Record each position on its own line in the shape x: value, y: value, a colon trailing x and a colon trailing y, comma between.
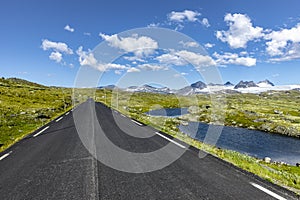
x: 267, y: 159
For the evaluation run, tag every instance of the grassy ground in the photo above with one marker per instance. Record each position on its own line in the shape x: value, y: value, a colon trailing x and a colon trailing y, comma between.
x: 25, y: 106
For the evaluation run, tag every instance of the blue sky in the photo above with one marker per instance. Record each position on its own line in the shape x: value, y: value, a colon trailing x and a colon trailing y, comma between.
x: 246, y: 40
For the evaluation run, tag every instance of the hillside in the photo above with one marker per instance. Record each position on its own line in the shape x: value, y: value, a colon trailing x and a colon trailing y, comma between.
x: 25, y: 106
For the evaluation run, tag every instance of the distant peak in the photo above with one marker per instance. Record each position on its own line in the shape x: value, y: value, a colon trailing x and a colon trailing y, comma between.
x: 228, y: 83
x: 245, y: 84
x: 265, y: 82
x: 199, y: 84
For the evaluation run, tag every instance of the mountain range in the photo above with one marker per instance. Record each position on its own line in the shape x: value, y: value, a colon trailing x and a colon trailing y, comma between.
x: 201, y: 87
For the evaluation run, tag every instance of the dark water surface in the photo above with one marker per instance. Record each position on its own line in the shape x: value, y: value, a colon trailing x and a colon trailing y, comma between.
x: 254, y: 143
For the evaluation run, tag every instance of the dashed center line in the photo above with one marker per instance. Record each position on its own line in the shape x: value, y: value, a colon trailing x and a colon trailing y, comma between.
x: 137, y: 122
x: 5, y: 155
x: 268, y: 191
x: 41, y: 131
x: 181, y: 146
x: 59, y: 119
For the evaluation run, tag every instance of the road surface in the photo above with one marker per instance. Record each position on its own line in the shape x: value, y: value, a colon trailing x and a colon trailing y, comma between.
x: 53, y: 163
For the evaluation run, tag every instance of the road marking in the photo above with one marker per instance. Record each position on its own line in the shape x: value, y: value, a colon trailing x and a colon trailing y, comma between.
x: 137, y: 122
x: 58, y: 119
x: 67, y: 113
x: 40, y: 131
x: 268, y: 191
x: 5, y: 155
x: 170, y: 140
x: 123, y: 115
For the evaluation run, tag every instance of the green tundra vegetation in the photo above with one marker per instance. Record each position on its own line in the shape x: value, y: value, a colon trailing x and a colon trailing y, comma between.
x: 25, y: 106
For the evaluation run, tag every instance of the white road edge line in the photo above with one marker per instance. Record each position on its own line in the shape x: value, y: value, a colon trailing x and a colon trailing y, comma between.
x: 137, y: 122
x: 5, y: 155
x: 123, y: 115
x: 170, y: 140
x: 268, y: 191
x: 40, y: 131
x: 58, y: 119
x: 67, y: 113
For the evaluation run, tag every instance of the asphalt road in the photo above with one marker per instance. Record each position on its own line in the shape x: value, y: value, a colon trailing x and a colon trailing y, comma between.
x: 53, y: 163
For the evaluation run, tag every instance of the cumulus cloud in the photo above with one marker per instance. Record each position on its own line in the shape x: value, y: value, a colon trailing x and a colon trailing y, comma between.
x: 235, y: 59
x: 152, y: 67
x: 132, y: 69
x: 87, y: 58
x: 241, y: 31
x: 196, y: 59
x: 284, y: 42
x: 189, y: 44
x: 186, y: 15
x: 69, y: 28
x: 205, y: 22
x: 171, y: 59
x: 209, y: 45
x: 56, y: 56
x: 141, y: 46
x: 56, y: 46
x: 292, y: 53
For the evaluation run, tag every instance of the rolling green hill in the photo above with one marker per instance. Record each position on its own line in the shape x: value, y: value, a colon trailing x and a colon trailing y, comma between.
x: 25, y: 106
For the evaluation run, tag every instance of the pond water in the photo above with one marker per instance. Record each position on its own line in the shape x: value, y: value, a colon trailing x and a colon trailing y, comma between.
x: 251, y: 142
x: 169, y: 112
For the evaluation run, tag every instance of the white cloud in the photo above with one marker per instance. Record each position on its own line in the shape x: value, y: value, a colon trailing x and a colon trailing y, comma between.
x: 152, y: 67
x: 189, y: 44
x: 171, y: 59
x: 209, y: 45
x: 180, y: 75
x: 132, y: 69
x: 186, y: 15
x: 153, y: 25
x: 134, y: 58
x: 240, y: 32
x: 56, y: 56
x: 118, y: 72
x: 88, y: 59
x: 235, y: 59
x: 141, y: 46
x: 196, y: 59
x: 284, y: 42
x: 57, y: 46
x: 87, y: 34
x: 205, y: 22
x: 69, y: 28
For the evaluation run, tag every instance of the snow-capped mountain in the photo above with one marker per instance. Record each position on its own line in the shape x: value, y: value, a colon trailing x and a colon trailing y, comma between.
x: 265, y: 83
x: 245, y: 84
x: 228, y: 84
x: 148, y: 88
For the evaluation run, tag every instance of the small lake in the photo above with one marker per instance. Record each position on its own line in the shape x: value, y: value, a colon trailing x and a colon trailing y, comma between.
x: 169, y: 112
x: 251, y: 142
